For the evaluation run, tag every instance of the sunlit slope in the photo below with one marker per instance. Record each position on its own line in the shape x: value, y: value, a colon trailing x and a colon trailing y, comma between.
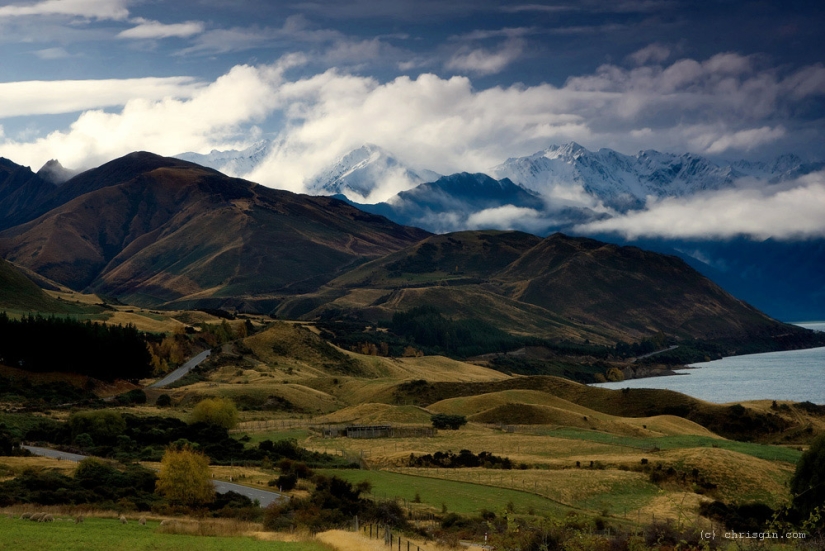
x: 153, y: 231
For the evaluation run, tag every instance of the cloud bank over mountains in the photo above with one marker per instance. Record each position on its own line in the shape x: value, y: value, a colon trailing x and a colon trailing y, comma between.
x: 727, y: 104
x: 791, y: 210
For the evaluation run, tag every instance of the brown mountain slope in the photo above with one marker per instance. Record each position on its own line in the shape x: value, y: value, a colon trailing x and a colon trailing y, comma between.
x: 153, y: 231
x: 558, y: 287
x: 628, y: 289
x: 21, y: 192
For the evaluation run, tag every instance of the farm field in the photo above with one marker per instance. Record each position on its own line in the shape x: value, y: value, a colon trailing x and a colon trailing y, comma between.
x: 457, y: 496
x: 97, y: 534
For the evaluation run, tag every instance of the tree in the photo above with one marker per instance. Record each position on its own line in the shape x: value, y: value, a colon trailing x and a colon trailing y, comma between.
x: 185, y: 478
x: 808, y: 482
x: 215, y: 411
x: 446, y: 421
x: 102, y: 426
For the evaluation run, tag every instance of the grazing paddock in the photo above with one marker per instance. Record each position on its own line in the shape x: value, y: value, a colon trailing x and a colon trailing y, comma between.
x: 98, y: 534
x: 458, y: 497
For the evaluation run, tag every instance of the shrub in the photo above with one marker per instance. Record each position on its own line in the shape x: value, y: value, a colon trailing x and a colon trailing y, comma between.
x: 446, y: 421
x: 163, y: 401
x: 185, y: 478
x: 103, y: 426
x: 215, y: 411
x: 808, y: 482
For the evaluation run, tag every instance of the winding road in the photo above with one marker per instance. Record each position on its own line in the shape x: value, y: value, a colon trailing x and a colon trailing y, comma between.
x: 264, y: 497
x: 182, y: 370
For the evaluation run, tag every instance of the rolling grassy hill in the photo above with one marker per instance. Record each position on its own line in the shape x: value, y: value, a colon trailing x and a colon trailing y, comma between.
x: 21, y: 294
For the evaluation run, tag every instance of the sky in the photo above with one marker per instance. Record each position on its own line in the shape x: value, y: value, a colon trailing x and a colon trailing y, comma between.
x: 446, y: 86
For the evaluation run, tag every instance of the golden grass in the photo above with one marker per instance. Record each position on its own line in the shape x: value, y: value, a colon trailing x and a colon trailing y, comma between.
x: 342, y: 540
x: 739, y: 477
x: 17, y: 465
x: 143, y: 321
x: 378, y: 414
x: 536, y: 407
x: 210, y: 527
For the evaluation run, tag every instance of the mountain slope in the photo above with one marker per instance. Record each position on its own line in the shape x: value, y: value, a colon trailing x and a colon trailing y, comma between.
x: 449, y: 203
x: 233, y: 162
x: 630, y: 290
x: 368, y: 174
x: 557, y: 287
x: 155, y: 231
x: 17, y: 292
x: 21, y: 192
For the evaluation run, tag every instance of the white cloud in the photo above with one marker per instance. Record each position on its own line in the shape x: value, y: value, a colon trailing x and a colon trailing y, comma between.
x: 720, y: 105
x: 211, y: 115
x: 147, y: 29
x: 43, y: 97
x: 654, y: 52
x: 788, y: 211
x: 93, y: 9
x: 507, y: 217
x: 485, y: 62
x: 52, y: 53
x: 745, y: 140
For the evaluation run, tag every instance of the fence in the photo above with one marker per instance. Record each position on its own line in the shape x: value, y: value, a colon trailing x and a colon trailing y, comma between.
x: 393, y: 541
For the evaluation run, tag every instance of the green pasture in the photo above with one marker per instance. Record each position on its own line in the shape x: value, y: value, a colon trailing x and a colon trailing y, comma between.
x: 107, y: 534
x: 459, y: 497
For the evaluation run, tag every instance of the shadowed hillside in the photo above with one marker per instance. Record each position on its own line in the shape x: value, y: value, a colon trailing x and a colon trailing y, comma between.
x: 557, y: 287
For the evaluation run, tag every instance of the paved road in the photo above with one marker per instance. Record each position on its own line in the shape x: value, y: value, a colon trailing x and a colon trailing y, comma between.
x: 264, y: 497
x: 182, y: 370
x: 654, y: 353
x: 54, y: 454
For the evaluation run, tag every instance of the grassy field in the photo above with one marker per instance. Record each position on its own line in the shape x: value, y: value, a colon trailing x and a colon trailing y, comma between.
x: 106, y: 534
x: 459, y: 497
x: 761, y: 451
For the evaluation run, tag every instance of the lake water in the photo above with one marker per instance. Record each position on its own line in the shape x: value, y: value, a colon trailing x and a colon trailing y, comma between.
x: 797, y: 375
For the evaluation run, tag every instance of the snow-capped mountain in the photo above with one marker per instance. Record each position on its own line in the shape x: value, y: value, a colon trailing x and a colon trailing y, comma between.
x: 471, y: 201
x: 232, y: 162
x: 623, y: 182
x: 368, y: 174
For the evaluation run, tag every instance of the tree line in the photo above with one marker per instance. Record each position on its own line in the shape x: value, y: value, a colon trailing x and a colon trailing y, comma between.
x: 107, y: 352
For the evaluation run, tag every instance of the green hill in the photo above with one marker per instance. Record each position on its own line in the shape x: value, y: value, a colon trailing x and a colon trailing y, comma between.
x: 17, y: 292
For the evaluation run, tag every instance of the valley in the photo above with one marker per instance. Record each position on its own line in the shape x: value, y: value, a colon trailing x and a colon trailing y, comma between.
x: 464, y: 353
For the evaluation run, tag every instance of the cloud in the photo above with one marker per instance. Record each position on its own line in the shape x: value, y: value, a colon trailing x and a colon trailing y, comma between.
x: 41, y: 97
x: 485, y: 62
x: 52, y: 53
x: 211, y: 115
x: 745, y: 140
x: 724, y: 104
x: 791, y: 210
x: 92, y: 9
x: 535, y: 8
x: 506, y: 217
x: 654, y: 52
x: 147, y: 29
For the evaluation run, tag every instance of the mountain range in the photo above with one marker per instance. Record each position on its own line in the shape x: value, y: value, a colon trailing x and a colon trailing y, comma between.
x: 564, y: 186
x: 166, y: 233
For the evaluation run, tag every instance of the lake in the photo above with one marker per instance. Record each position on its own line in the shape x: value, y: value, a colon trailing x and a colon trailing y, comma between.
x: 797, y: 375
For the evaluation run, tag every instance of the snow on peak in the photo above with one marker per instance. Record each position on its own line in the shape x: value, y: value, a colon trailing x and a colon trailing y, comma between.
x: 624, y: 182
x: 232, y: 162
x: 368, y: 174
